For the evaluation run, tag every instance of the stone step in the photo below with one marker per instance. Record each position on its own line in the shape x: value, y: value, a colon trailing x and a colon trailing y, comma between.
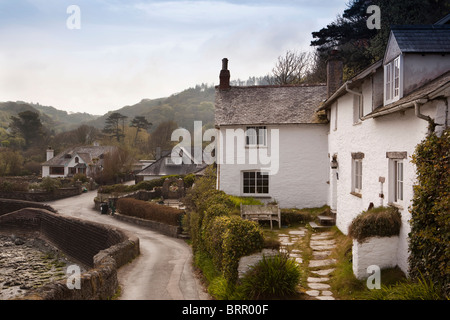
x: 316, y: 226
x: 326, y: 220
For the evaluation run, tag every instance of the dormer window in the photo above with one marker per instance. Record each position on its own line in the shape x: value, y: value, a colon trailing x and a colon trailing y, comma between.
x: 393, y: 82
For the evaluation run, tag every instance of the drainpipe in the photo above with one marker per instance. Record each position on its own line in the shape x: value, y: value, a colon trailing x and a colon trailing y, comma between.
x: 417, y: 105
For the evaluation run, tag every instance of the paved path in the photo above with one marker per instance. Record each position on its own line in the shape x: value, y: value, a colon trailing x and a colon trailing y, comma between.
x: 320, y: 266
x: 163, y: 270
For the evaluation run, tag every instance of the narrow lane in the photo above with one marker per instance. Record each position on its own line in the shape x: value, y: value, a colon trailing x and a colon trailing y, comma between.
x: 163, y: 270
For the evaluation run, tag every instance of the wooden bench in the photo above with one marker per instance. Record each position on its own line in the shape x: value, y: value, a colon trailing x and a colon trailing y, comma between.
x: 261, y: 212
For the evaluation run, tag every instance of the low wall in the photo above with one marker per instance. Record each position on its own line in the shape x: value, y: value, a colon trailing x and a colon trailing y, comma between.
x: 379, y: 251
x: 101, y: 248
x: 144, y: 195
x: 10, y: 205
x: 168, y: 230
x: 42, y: 196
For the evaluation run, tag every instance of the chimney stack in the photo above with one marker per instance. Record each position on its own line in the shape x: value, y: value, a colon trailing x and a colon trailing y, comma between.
x: 335, y: 72
x: 224, y: 75
x: 50, y: 153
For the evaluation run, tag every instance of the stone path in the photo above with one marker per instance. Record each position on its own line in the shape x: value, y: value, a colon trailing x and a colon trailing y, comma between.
x: 320, y: 266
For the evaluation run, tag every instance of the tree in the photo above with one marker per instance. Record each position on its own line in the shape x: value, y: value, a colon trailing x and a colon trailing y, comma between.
x: 361, y: 46
x: 28, y: 126
x: 161, y: 137
x: 140, y: 123
x: 291, y: 68
x: 11, y: 163
x: 115, y: 125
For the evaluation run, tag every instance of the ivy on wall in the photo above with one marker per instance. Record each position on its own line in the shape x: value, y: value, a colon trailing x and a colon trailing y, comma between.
x: 430, y: 210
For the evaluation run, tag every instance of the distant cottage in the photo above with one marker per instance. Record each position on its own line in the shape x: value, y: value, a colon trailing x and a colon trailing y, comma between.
x: 359, y: 156
x: 87, y: 160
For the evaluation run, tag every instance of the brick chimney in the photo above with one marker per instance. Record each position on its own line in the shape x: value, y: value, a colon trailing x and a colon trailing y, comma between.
x: 224, y: 75
x: 335, y: 71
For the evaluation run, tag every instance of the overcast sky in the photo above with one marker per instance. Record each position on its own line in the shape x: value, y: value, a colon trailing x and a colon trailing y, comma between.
x: 128, y: 50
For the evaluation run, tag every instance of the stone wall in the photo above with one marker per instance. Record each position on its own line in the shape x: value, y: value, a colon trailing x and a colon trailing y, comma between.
x: 10, y: 205
x: 168, y: 230
x: 101, y: 248
x: 379, y: 251
x: 42, y: 196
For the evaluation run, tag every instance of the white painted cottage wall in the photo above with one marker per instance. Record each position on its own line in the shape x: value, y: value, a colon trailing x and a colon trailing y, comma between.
x: 374, y: 137
x: 301, y: 180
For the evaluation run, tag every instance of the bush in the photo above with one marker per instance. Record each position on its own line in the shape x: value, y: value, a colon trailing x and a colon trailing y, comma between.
x: 150, y: 211
x: 227, y: 239
x: 81, y: 177
x: 377, y: 222
x: 272, y: 277
x: 430, y: 219
x: 49, y: 184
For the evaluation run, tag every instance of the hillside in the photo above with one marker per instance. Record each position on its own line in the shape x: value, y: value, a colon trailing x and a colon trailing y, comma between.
x: 52, y: 118
x: 193, y: 104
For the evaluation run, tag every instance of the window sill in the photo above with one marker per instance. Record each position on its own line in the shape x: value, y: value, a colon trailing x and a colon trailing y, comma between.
x: 256, y: 195
x: 396, y: 205
x: 356, y: 194
x: 256, y: 147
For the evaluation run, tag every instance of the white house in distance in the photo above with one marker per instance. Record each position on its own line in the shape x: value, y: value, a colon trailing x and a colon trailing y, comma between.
x: 86, y: 160
x: 378, y: 118
x: 270, y: 143
x: 375, y: 121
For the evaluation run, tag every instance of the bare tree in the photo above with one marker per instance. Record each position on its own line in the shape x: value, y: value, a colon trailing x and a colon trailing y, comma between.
x: 291, y: 68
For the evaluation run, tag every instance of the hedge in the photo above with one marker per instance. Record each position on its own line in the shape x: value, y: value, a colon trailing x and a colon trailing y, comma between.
x: 149, y: 211
x: 376, y: 222
x: 430, y: 222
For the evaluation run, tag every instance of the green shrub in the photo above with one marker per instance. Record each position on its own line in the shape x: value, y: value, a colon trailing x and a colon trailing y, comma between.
x: 377, y: 222
x: 430, y: 219
x: 272, y: 277
x: 49, y: 184
x: 230, y: 239
x: 80, y: 176
x: 149, y: 211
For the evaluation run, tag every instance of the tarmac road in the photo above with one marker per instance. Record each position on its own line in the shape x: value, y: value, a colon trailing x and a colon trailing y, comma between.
x: 163, y: 270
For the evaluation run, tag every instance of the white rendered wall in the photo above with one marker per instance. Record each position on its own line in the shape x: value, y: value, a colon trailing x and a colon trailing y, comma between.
x: 381, y: 252
x: 398, y: 132
x: 302, y: 175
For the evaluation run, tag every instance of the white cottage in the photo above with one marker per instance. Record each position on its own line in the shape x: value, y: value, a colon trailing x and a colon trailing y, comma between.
x: 377, y: 119
x: 270, y: 143
x: 86, y: 160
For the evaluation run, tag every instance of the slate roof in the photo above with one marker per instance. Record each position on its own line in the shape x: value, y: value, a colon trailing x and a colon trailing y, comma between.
x: 422, y: 38
x: 429, y: 89
x: 254, y: 105
x: 86, y: 153
x: 160, y: 168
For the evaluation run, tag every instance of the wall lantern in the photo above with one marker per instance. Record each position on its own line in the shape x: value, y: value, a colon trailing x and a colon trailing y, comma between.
x: 334, y: 163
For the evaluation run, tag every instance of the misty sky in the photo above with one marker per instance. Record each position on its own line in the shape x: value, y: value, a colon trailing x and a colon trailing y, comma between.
x: 129, y: 50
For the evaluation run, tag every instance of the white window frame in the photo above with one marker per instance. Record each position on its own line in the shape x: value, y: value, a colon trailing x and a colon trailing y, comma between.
x: 398, y: 181
x: 256, y: 136
x: 257, y: 182
x: 396, y: 177
x: 357, y: 109
x: 393, y: 80
x: 357, y: 176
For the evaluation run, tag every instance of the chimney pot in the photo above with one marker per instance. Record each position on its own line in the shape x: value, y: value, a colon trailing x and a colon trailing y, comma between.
x: 224, y: 75
x: 50, y: 153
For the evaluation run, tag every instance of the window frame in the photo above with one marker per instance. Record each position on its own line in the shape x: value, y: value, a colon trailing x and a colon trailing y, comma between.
x: 357, y: 173
x: 255, y: 182
x: 256, y: 134
x: 393, y: 80
x: 396, y: 186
